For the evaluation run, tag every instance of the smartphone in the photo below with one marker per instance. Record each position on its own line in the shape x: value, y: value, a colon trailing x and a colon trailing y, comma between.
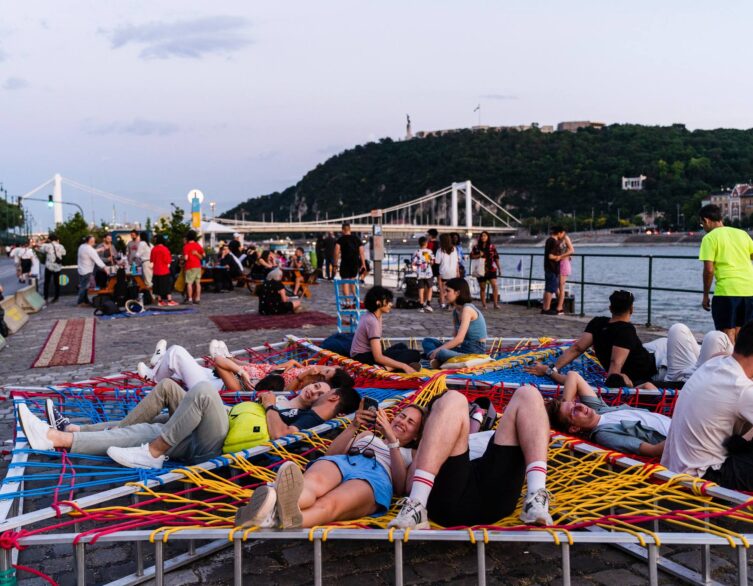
x: 370, y: 404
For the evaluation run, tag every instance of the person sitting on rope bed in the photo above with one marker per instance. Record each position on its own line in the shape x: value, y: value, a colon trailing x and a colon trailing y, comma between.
x: 355, y: 478
x: 626, y: 429
x: 168, y: 394
x: 236, y: 375
x: 453, y: 486
x: 468, y: 323
x: 198, y: 430
x: 367, y: 340
x: 712, y: 411
x: 630, y: 363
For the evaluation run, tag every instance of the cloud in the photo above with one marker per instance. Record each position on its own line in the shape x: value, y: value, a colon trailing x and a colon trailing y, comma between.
x: 499, y: 97
x: 15, y: 83
x: 136, y: 127
x: 3, y: 55
x: 187, y: 39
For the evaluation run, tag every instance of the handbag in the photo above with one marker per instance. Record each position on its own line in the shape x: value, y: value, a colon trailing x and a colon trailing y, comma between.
x: 478, y: 267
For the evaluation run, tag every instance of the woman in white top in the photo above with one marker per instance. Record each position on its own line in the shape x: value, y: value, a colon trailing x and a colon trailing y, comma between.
x: 144, y: 254
x: 356, y: 477
x: 449, y: 265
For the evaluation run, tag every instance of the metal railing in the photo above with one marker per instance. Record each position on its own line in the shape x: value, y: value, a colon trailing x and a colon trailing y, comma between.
x: 649, y: 287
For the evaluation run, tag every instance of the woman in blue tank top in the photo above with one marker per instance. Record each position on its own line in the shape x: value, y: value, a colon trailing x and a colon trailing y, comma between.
x: 468, y: 323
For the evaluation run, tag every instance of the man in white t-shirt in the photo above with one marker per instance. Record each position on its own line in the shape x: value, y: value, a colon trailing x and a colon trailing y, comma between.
x: 624, y: 429
x: 716, y: 404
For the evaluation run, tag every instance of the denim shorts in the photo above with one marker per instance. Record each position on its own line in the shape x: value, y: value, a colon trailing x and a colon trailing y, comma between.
x: 551, y: 282
x: 362, y: 468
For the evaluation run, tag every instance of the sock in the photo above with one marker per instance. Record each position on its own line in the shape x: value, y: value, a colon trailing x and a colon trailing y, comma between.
x: 423, y: 482
x: 536, y: 476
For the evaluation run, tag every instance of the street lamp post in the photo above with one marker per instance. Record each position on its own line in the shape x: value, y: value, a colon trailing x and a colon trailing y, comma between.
x: 212, y: 205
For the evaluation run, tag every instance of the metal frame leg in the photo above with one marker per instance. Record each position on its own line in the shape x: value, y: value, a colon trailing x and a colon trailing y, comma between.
x: 706, y: 563
x: 481, y: 561
x: 237, y: 562
x: 742, y: 565
x: 80, y: 565
x: 398, y: 562
x: 317, y: 561
x: 138, y: 545
x: 653, y: 570
x: 159, y: 564
x: 565, y: 563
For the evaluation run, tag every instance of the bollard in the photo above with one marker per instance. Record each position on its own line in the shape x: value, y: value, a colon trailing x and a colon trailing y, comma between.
x: 15, y: 317
x: 29, y: 300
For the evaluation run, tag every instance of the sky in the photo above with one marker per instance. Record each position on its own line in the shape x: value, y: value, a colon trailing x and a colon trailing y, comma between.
x: 148, y: 100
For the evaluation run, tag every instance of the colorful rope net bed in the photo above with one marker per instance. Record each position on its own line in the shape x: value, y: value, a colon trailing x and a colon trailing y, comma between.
x: 599, y: 496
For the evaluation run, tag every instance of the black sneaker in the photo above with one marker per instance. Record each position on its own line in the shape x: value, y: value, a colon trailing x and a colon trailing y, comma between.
x: 54, y: 417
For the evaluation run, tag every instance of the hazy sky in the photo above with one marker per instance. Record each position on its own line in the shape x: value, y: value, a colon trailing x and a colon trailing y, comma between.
x: 150, y: 99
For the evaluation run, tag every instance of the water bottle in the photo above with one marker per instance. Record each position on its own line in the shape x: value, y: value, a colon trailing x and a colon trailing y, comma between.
x: 133, y: 268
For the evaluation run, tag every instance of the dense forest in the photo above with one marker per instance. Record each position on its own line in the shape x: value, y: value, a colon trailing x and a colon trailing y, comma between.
x: 537, y: 176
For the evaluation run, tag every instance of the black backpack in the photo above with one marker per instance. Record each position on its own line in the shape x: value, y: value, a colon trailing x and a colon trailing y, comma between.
x: 120, y: 294
x: 105, y: 306
x: 4, y: 331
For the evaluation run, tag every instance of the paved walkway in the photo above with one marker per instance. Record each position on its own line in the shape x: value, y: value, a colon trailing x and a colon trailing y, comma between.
x: 120, y: 344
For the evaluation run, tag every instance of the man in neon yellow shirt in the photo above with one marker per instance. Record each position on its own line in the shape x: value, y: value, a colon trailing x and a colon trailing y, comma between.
x: 726, y: 254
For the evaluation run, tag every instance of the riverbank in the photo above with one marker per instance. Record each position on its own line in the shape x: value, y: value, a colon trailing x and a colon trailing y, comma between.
x: 608, y: 239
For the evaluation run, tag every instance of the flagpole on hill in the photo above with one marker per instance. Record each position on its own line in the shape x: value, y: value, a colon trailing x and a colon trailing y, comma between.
x: 478, y: 109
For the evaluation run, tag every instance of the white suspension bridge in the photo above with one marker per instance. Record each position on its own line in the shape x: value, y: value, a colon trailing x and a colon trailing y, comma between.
x: 440, y: 209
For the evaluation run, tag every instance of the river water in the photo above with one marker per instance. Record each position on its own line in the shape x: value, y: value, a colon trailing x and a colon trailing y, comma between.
x: 620, y: 269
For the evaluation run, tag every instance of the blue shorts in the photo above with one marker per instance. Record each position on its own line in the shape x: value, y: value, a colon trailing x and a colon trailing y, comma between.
x: 731, y: 312
x: 362, y: 468
x: 551, y: 282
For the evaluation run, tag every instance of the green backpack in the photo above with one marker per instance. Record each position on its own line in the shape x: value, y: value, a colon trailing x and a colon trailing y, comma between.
x: 248, y: 427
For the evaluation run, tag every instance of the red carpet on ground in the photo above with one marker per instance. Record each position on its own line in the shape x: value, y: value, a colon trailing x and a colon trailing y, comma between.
x: 253, y: 321
x: 70, y: 342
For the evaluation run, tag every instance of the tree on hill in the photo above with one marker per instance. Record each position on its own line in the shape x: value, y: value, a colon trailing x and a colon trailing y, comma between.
x: 533, y: 174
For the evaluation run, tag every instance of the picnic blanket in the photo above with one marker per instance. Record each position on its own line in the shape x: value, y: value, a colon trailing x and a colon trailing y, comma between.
x: 254, y: 321
x: 70, y: 342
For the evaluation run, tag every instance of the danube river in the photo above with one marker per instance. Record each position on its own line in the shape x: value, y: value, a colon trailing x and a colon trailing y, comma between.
x: 626, y: 267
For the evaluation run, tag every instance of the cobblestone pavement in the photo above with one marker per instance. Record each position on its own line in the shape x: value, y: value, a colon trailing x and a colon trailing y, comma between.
x: 121, y: 343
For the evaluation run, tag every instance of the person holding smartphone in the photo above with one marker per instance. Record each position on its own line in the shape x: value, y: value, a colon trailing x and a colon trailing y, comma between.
x: 356, y: 477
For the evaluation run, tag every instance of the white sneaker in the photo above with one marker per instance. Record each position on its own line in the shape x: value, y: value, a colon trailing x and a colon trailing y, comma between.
x: 260, y: 510
x: 213, y: 348
x: 536, y: 508
x: 428, y: 308
x: 289, y: 485
x: 159, y: 352
x: 34, y: 429
x: 422, y: 310
x: 412, y: 515
x: 144, y: 371
x: 223, y: 349
x: 136, y: 457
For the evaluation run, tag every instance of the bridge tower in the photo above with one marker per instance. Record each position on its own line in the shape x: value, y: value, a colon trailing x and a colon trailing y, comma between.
x: 57, y: 198
x: 464, y: 186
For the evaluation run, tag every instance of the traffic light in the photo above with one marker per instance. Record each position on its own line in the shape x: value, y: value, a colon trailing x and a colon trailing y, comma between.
x: 50, y: 203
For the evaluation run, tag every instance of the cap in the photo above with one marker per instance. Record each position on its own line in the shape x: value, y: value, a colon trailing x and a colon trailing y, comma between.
x: 236, y: 235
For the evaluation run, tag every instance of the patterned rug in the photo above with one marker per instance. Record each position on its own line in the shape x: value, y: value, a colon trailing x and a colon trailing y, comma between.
x: 70, y: 342
x: 253, y: 321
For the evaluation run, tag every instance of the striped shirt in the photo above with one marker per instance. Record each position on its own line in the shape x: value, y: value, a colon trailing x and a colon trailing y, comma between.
x: 368, y: 440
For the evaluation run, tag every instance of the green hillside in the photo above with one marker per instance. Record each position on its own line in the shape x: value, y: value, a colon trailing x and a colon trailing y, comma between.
x: 534, y: 175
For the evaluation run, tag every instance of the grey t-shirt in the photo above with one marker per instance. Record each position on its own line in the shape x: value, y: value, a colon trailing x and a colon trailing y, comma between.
x: 369, y: 328
x: 626, y: 434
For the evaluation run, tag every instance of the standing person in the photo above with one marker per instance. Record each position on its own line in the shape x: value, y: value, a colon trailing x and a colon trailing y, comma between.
x: 329, y: 255
x: 726, y: 254
x: 25, y: 258
x: 193, y: 254
x: 566, y: 251
x: 87, y: 259
x: 53, y: 264
x: 163, y: 282
x: 486, y: 250
x: 132, y: 248
x: 108, y: 254
x: 422, y: 261
x: 447, y: 263
x: 144, y: 254
x: 458, y: 244
x: 551, y: 269
x: 433, y: 244
x: 15, y: 253
x: 319, y: 250
x: 349, y: 252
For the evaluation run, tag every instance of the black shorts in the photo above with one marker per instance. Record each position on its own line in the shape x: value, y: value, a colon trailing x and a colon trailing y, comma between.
x: 162, y: 285
x: 478, y: 492
x: 731, y: 312
x: 349, y: 271
x: 399, y: 352
x: 425, y: 283
x: 736, y: 473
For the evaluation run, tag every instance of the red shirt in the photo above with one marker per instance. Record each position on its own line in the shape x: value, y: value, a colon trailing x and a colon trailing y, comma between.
x: 161, y: 259
x: 193, y: 261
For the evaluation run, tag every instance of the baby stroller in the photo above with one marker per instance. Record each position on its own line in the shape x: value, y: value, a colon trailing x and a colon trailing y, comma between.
x: 409, y: 286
